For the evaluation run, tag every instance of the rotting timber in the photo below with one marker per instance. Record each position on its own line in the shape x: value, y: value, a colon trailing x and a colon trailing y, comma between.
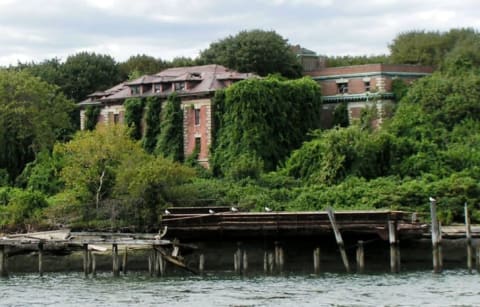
x: 194, y: 224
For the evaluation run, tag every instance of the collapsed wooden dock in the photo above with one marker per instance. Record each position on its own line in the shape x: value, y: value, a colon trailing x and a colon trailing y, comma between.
x: 198, y: 223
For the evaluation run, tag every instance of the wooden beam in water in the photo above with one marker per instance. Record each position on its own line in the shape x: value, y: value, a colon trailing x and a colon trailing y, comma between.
x: 338, y: 238
x: 468, y: 234
x: 85, y: 260
x: 201, y: 263
x: 3, y: 262
x: 436, y: 252
x: 394, y: 250
x: 115, y: 262
x: 360, y: 257
x: 94, y: 263
x: 316, y: 260
x: 40, y: 258
x: 125, y: 260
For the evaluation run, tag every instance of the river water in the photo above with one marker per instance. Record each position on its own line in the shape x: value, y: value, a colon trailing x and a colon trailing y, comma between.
x: 419, y: 288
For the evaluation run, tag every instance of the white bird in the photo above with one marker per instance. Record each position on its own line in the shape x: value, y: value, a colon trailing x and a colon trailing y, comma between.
x: 233, y: 209
x: 211, y: 211
x: 432, y: 199
x: 167, y: 212
x: 267, y: 209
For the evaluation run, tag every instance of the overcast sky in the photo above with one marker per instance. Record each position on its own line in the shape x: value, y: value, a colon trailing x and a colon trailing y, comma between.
x: 42, y: 29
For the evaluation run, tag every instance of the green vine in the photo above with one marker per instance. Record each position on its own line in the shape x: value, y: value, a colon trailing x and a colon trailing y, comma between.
x: 91, y: 117
x: 133, y: 116
x: 170, y: 139
x: 152, y: 122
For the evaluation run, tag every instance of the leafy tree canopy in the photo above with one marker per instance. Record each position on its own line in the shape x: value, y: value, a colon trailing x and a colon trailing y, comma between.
x: 33, y: 115
x: 142, y: 64
x: 262, y: 52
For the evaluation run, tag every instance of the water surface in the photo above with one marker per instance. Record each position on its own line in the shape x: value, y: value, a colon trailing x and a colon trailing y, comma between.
x: 420, y: 288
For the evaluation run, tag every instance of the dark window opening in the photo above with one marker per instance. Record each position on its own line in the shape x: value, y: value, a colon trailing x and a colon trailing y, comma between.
x: 367, y: 86
x: 116, y: 118
x: 198, y: 144
x: 135, y: 90
x: 179, y: 86
x: 197, y: 117
x: 342, y: 88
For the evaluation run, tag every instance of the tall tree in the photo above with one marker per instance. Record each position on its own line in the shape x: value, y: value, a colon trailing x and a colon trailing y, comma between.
x: 262, y: 52
x: 84, y: 73
x: 142, y: 64
x: 33, y: 114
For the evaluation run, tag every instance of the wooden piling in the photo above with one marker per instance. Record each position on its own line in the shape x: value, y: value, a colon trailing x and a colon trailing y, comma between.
x: 201, y: 263
x: 360, y: 257
x: 94, y: 264
x: 161, y: 264
x: 392, y: 236
x: 316, y: 260
x: 478, y: 259
x: 468, y: 234
x: 271, y: 262
x: 40, y: 258
x: 150, y: 265
x: 436, y: 253
x: 85, y: 260
x: 3, y: 262
x: 237, y: 259
x: 245, y: 262
x: 115, y: 262
x: 338, y: 238
x: 125, y: 260
x: 279, y: 257
x: 265, y: 262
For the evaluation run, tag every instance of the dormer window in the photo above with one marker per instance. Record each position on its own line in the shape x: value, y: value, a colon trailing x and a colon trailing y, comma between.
x: 135, y: 90
x: 179, y: 86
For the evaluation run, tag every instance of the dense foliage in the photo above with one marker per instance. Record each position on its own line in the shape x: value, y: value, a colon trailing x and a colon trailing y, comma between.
x: 134, y: 109
x: 170, y: 139
x: 262, y: 52
x: 152, y: 123
x: 262, y: 120
x: 33, y: 115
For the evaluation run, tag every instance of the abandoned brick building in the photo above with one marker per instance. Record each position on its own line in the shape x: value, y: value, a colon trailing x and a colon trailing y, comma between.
x: 358, y: 86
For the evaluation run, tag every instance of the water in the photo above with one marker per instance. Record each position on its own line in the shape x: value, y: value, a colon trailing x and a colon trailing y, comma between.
x: 421, y: 288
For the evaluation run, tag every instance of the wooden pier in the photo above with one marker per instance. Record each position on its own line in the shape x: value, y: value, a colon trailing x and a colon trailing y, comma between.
x: 187, y: 225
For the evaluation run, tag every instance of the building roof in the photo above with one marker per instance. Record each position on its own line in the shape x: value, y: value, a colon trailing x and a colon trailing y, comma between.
x: 199, y: 80
x: 370, y: 70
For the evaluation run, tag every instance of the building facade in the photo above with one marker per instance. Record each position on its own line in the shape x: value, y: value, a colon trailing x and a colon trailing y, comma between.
x: 360, y: 86
x: 194, y: 85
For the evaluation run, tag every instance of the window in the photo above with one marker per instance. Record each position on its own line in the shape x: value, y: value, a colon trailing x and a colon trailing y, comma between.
x: 197, y: 117
x: 116, y: 118
x: 135, y: 90
x: 342, y: 88
x: 179, y: 86
x: 367, y: 86
x: 198, y: 144
x: 157, y: 88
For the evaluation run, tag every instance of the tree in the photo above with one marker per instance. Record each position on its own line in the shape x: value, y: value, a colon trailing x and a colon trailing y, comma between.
x: 142, y: 64
x: 262, y: 52
x: 170, y: 140
x: 33, y: 115
x: 85, y: 73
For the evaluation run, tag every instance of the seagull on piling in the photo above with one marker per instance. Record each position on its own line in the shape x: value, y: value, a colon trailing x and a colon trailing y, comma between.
x: 234, y: 209
x: 167, y: 212
x: 431, y: 199
x: 211, y: 211
x: 267, y: 209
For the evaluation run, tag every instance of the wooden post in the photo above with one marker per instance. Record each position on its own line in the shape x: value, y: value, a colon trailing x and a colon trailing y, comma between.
x: 478, y: 259
x: 338, y: 238
x: 279, y: 257
x: 237, y: 259
x: 3, y: 262
x: 468, y: 233
x: 150, y: 266
x: 125, y: 260
x: 360, y: 257
x: 316, y: 260
x: 392, y: 236
x: 265, y: 262
x: 245, y: 262
x: 201, y: 263
x: 116, y: 269
x: 94, y: 264
x: 271, y: 262
x: 435, y: 237
x: 85, y: 260
x: 156, y: 264
x: 161, y: 264
x: 40, y: 258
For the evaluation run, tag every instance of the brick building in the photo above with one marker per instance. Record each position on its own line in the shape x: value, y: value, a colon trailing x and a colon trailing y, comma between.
x: 362, y: 85
x: 194, y: 85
